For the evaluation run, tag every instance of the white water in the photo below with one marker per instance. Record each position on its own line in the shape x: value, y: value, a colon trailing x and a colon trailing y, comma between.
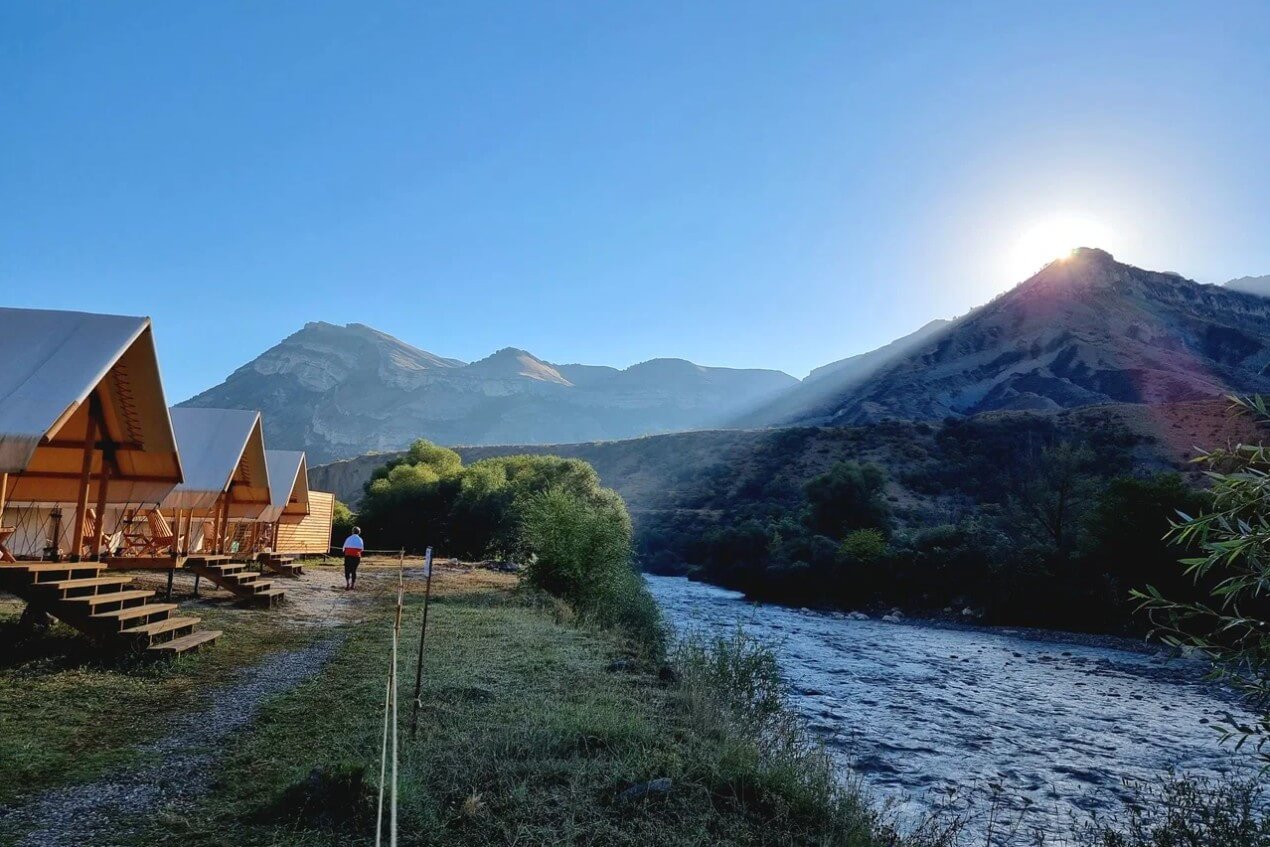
x: 916, y: 709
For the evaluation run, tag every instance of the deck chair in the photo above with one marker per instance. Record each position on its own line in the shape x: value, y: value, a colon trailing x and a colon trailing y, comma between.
x: 6, y: 532
x: 161, y: 538
x: 148, y: 536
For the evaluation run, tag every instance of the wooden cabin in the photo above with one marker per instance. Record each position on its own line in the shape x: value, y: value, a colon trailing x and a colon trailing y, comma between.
x: 310, y: 536
x: 85, y: 436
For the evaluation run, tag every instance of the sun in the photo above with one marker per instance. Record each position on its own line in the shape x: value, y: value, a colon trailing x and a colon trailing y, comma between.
x: 1055, y: 237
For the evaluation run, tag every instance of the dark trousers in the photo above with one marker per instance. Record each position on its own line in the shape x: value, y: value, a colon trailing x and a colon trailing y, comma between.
x: 350, y: 566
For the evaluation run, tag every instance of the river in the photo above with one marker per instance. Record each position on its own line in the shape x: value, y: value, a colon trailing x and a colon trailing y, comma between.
x: 914, y: 709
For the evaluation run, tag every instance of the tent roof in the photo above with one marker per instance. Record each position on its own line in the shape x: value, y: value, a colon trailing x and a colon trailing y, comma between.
x: 51, y: 362
x: 288, y: 484
x: 223, y: 450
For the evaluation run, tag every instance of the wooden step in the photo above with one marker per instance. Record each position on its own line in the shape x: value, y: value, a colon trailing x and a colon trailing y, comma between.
x: 186, y: 643
x: 269, y: 598
x: 38, y: 569
x: 122, y: 616
x: 94, y: 583
x: 162, y: 627
x: 94, y: 600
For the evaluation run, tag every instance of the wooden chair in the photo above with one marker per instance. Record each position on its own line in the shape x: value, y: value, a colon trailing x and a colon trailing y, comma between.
x: 148, y: 536
x: 161, y: 538
x: 6, y: 532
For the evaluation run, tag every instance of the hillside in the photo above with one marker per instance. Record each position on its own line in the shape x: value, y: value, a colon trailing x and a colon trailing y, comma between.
x: 343, y: 391
x: 708, y: 472
x: 1085, y: 330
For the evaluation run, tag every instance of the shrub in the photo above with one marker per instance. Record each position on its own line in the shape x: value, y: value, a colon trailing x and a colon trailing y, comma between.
x: 1180, y: 812
x: 580, y: 550
x: 862, y: 545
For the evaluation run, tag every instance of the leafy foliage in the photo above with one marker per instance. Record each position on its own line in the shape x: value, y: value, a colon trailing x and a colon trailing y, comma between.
x: 1229, y: 625
x: 548, y: 512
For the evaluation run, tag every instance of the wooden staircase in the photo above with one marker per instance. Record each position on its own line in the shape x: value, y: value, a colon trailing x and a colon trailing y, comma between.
x: 234, y: 577
x: 105, y: 608
x: 280, y: 564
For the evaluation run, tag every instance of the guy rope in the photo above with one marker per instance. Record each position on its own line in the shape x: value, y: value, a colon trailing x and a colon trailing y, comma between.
x: 390, y: 717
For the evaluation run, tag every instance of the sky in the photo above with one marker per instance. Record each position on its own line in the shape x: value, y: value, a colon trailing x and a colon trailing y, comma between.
x: 777, y: 184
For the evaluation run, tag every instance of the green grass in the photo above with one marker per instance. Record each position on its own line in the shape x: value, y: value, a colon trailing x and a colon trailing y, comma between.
x: 526, y: 737
x: 67, y: 716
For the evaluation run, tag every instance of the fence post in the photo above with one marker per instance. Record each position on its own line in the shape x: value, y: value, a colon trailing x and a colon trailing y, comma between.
x: 423, y: 634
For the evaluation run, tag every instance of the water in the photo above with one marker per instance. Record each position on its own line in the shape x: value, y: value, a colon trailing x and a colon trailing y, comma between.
x: 915, y: 709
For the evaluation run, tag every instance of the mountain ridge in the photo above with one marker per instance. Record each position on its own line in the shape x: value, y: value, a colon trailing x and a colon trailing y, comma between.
x: 1085, y: 330
x: 342, y: 391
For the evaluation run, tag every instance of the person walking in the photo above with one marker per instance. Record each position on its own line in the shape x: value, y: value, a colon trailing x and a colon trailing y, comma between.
x: 353, y: 548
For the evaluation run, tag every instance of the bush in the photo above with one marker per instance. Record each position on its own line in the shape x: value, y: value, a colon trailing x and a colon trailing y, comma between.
x: 1183, y: 812
x: 580, y: 550
x: 863, y: 545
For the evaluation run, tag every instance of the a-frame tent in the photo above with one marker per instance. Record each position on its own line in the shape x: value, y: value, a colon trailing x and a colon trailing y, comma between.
x: 288, y: 486
x: 226, y: 478
x: 83, y: 425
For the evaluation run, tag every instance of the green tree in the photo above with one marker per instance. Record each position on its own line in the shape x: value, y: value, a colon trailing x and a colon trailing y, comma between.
x: 1051, y: 490
x: 848, y: 496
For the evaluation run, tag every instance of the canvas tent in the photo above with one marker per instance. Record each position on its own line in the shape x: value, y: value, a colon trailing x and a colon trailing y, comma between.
x: 83, y: 424
x: 226, y: 474
x: 288, y: 486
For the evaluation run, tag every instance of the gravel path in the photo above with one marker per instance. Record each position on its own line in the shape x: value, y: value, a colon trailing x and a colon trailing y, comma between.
x: 181, y: 767
x: 80, y: 815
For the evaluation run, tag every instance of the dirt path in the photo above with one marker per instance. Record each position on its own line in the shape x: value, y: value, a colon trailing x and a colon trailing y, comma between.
x: 179, y: 767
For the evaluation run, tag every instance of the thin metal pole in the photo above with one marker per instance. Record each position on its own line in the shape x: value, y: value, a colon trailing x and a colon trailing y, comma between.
x: 423, y: 633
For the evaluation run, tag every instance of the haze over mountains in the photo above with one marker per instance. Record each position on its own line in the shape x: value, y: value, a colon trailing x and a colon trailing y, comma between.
x: 1085, y: 330
x: 339, y: 391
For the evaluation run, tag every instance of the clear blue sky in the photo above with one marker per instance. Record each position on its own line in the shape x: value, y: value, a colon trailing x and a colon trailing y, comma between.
x: 750, y: 184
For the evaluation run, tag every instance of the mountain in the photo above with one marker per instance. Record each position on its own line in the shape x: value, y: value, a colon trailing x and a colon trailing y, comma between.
x: 338, y: 391
x: 1259, y: 285
x: 1085, y: 330
x: 815, y: 395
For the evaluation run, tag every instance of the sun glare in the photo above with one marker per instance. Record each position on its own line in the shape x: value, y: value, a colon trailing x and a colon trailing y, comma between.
x: 1055, y: 238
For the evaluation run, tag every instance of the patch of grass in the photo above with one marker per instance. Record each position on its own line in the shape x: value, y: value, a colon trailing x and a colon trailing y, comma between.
x: 68, y: 715
x: 530, y: 733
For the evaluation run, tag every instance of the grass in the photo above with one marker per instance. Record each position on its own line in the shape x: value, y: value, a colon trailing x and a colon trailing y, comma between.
x: 530, y: 732
x: 67, y: 716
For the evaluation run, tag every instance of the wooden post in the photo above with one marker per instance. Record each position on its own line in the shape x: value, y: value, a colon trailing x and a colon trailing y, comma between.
x: 423, y: 633
x: 81, y: 502
x: 103, y: 485
x: 224, y: 522
x: 4, y: 492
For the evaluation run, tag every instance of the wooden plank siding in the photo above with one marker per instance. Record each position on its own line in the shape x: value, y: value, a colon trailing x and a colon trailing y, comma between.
x: 312, y: 534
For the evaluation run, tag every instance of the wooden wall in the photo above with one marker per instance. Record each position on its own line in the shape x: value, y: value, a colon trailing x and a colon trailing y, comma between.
x: 311, y: 535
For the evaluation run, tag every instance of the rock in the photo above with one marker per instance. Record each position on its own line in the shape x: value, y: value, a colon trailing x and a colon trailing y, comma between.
x: 642, y: 790
x: 667, y: 674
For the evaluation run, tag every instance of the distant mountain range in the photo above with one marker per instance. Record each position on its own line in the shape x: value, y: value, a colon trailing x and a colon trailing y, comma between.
x: 339, y: 391
x: 1085, y: 330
